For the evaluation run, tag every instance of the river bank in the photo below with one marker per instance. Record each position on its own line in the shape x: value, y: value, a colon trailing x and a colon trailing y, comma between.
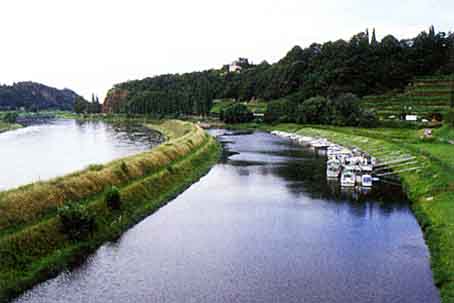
x: 7, y: 126
x: 32, y: 244
x: 431, y: 190
x: 250, y: 231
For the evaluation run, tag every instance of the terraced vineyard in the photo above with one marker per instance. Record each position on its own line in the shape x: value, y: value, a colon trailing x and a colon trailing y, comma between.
x: 424, y: 97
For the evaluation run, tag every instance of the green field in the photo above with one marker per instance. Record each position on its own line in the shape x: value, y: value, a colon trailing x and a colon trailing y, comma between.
x: 423, y: 97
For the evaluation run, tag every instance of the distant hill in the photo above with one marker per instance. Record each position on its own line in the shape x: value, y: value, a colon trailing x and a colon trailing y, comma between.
x: 362, y: 65
x: 31, y: 96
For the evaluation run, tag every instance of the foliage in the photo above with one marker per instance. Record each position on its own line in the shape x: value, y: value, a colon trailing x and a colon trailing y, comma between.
x: 236, y: 113
x: 10, y: 117
x: 82, y: 106
x: 76, y: 221
x: 112, y: 198
x: 449, y: 118
x: 329, y: 70
x: 33, y: 201
x: 282, y: 110
x: 343, y: 110
x: 315, y: 110
x: 34, y: 96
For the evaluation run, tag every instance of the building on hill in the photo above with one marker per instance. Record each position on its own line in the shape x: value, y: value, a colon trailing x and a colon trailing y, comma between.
x: 234, y: 67
x: 239, y: 64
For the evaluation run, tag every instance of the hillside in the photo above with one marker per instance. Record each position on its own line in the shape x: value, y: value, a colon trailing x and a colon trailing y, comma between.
x: 362, y: 66
x: 425, y: 97
x: 31, y: 96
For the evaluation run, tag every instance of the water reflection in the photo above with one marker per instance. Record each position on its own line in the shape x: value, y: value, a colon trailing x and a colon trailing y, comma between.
x: 263, y: 226
x: 59, y: 147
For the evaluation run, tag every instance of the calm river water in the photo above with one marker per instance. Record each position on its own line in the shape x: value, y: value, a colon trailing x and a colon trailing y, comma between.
x: 262, y: 226
x: 60, y: 147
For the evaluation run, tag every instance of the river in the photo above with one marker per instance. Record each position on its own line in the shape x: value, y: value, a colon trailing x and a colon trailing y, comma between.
x: 262, y: 226
x: 58, y: 147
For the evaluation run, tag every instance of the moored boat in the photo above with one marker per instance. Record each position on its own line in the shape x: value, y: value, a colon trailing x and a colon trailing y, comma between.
x: 348, y: 178
x: 333, y: 169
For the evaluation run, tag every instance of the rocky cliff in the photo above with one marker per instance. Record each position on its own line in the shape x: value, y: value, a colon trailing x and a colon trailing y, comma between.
x: 115, y: 97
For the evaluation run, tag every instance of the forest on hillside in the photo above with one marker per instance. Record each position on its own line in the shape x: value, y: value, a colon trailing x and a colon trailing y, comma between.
x: 361, y: 66
x: 33, y: 96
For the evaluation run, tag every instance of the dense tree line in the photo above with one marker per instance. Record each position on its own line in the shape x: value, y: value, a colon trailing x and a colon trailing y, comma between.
x: 82, y: 106
x: 360, y: 66
x: 33, y: 96
x: 173, y: 94
x: 343, y: 110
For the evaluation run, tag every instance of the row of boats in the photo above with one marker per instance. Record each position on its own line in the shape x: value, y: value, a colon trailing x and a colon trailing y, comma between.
x: 351, y: 166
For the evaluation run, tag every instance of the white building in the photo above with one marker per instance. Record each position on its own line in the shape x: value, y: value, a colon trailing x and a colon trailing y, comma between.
x: 234, y: 67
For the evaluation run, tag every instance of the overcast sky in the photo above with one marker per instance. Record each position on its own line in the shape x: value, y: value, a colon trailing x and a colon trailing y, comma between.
x: 89, y: 45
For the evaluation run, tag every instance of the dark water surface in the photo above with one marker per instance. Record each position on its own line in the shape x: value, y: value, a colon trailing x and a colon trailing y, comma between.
x: 59, y: 147
x: 262, y: 226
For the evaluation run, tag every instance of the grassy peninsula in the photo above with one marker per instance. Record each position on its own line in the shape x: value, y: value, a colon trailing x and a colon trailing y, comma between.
x: 33, y: 243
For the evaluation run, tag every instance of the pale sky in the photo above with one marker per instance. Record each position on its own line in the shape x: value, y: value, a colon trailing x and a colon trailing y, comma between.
x: 90, y: 45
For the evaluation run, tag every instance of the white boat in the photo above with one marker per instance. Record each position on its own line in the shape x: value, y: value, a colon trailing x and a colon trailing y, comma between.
x: 320, y: 143
x: 333, y: 169
x: 366, y: 180
x: 348, y: 178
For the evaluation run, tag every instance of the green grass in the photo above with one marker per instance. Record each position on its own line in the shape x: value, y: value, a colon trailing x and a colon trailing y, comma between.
x: 426, y: 95
x: 258, y: 107
x: 7, y: 126
x: 36, y: 251
x: 431, y: 189
x: 219, y: 105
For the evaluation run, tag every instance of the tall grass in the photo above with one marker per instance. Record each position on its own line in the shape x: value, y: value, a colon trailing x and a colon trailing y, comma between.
x: 31, y: 202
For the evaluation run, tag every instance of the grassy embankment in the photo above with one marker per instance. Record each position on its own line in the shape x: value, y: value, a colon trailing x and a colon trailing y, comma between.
x: 423, y: 97
x: 7, y: 126
x: 33, y: 246
x: 431, y: 189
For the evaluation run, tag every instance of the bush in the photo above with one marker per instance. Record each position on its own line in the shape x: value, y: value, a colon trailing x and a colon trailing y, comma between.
x: 314, y: 110
x: 76, y: 221
x: 449, y: 118
x: 368, y: 119
x: 282, y: 110
x: 10, y: 117
x: 236, y: 113
x: 113, y: 198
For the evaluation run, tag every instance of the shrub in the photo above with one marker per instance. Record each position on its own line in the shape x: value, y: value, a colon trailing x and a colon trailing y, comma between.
x: 314, y: 110
x: 368, y: 119
x: 449, y: 118
x: 76, y: 221
x: 95, y: 167
x: 236, y: 113
x: 113, y: 198
x: 282, y: 110
x: 10, y: 117
x: 124, y: 167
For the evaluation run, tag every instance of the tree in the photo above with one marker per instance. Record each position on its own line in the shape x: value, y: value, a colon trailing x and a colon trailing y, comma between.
x: 361, y: 66
x: 373, y: 41
x: 80, y: 105
x: 236, y: 113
